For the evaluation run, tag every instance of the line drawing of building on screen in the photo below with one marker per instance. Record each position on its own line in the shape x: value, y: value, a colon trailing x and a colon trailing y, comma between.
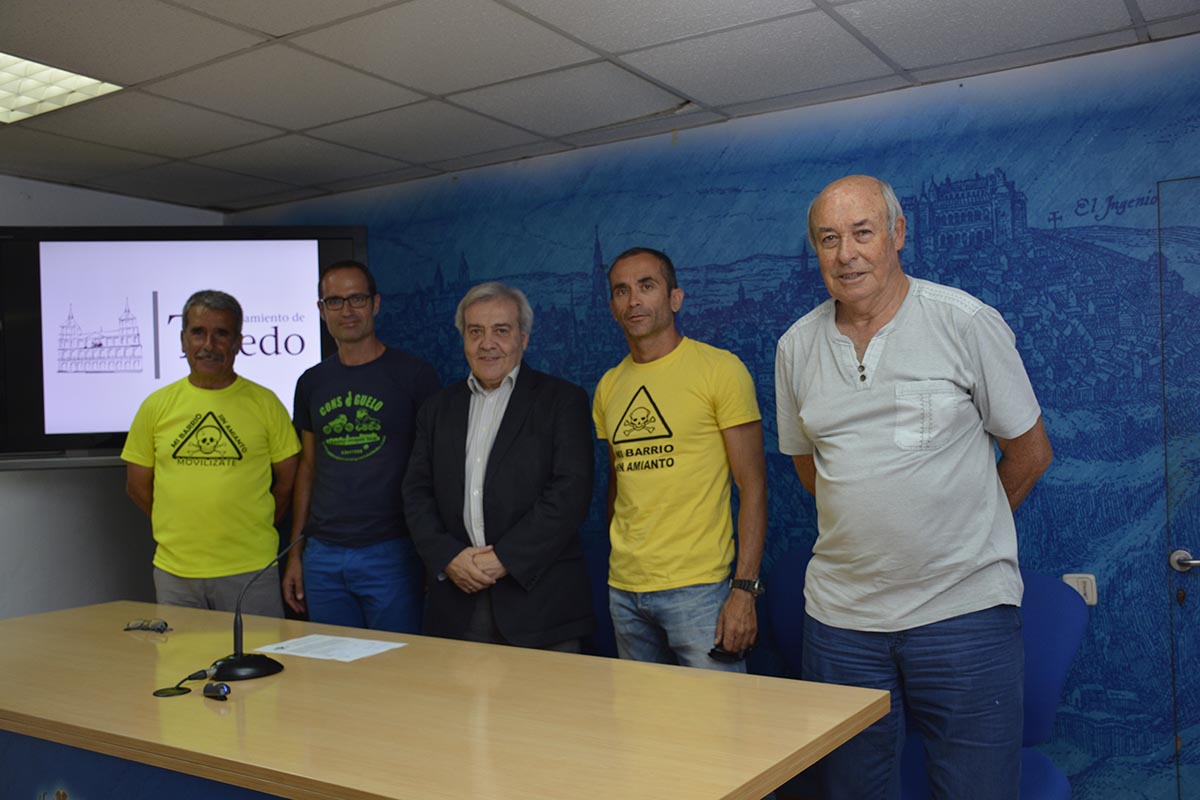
x: 117, y: 350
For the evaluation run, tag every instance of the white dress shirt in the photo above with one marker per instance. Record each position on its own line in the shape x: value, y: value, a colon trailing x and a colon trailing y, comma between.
x: 483, y: 421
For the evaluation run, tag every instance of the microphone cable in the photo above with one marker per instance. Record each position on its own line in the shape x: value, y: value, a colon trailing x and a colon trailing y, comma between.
x: 179, y: 689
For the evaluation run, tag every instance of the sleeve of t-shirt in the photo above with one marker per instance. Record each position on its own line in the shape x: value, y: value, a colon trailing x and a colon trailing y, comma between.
x: 139, y: 444
x: 426, y: 384
x: 281, y: 435
x: 735, y: 402
x: 598, y: 411
x: 793, y: 441
x: 1002, y: 391
x: 300, y: 409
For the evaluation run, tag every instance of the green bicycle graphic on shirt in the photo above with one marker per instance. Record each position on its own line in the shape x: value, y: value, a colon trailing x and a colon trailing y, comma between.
x: 353, y: 439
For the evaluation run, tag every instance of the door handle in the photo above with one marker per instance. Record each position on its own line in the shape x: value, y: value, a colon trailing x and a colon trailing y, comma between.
x: 1182, y: 561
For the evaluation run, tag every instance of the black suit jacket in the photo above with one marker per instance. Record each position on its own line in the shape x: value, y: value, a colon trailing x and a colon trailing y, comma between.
x: 537, y: 489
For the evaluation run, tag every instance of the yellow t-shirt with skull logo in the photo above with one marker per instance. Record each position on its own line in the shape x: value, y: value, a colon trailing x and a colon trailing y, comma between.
x: 211, y: 451
x: 672, y: 524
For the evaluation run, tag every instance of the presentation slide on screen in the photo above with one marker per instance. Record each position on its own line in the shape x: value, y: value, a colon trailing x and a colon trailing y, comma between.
x: 111, y: 320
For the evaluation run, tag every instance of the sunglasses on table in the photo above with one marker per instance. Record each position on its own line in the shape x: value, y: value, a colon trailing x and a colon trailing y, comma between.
x: 156, y: 625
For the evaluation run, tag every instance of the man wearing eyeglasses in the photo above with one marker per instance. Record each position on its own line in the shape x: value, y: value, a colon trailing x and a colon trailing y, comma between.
x: 355, y: 412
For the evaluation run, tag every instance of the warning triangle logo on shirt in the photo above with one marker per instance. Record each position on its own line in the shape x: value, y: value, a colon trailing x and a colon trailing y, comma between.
x: 641, y: 421
x: 209, y: 439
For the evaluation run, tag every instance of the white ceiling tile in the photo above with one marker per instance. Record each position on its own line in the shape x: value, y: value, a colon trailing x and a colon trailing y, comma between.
x: 499, y: 156
x: 273, y: 199
x: 1036, y: 55
x: 210, y: 83
x: 180, y: 182
x: 619, y: 25
x: 151, y: 124
x: 648, y: 127
x: 424, y: 132
x: 1157, y: 9
x: 442, y: 46
x: 120, y: 42
x: 791, y: 55
x: 34, y: 154
x: 299, y: 160
x: 282, y: 86
x: 381, y: 179
x: 1177, y: 27
x: 281, y: 17
x: 827, y: 95
x: 922, y: 33
x: 575, y: 99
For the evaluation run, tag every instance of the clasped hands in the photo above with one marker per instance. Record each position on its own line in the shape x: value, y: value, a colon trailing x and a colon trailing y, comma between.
x: 475, y: 568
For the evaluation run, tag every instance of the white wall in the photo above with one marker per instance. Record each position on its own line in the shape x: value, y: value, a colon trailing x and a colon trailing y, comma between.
x: 25, y: 202
x: 70, y: 537
x: 68, y: 534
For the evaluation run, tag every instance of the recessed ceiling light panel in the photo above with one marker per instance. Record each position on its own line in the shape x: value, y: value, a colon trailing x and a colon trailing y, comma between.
x: 28, y: 88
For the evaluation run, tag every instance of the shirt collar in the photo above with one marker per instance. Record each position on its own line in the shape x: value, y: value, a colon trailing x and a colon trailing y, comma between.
x: 477, y: 388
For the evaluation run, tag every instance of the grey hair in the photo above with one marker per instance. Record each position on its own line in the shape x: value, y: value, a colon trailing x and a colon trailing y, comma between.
x: 890, y: 201
x: 490, y: 291
x: 216, y: 301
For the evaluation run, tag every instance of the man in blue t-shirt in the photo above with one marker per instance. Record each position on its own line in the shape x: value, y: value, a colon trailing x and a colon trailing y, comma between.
x: 356, y: 412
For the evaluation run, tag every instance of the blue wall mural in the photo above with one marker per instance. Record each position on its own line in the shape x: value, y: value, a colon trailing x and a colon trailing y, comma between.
x: 1038, y: 190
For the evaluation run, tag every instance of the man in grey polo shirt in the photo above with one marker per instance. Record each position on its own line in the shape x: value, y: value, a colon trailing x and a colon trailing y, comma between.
x: 891, y: 397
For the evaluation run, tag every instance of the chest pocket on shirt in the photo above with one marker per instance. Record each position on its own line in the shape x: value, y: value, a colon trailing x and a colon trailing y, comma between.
x: 925, y: 412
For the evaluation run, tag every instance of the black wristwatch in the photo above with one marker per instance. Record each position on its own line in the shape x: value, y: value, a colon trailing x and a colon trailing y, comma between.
x: 754, y: 587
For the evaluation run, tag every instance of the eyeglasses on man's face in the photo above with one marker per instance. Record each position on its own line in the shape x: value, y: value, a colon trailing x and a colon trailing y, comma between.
x: 334, y: 303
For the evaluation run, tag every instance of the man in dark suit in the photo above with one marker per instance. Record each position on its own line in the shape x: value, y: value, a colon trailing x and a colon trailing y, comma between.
x: 498, y: 483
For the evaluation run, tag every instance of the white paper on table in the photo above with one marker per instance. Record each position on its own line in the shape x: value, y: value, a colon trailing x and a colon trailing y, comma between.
x: 331, y: 648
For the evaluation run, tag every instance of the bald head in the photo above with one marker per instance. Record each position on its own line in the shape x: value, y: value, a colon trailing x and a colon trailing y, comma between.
x: 863, y: 186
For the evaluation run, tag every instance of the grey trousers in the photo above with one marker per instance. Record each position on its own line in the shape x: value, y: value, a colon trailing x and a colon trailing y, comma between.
x: 221, y: 594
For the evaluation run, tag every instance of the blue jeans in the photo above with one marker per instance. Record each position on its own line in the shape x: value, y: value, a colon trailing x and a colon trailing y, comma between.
x: 673, y: 626
x: 961, y: 683
x: 380, y: 586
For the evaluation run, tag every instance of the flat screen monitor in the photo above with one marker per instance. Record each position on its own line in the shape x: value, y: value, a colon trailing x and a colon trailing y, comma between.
x: 90, y: 319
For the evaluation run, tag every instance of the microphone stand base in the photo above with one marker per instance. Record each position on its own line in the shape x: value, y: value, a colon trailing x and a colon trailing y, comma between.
x: 244, y: 667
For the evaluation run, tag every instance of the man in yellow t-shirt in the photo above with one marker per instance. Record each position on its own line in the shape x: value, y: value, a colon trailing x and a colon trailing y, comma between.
x: 211, y: 459
x: 680, y: 418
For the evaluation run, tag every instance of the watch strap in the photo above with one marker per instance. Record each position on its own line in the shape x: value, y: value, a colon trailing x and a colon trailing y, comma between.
x: 753, y: 586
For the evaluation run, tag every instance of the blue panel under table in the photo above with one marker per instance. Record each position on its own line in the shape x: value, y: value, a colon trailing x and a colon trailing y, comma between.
x: 35, y: 769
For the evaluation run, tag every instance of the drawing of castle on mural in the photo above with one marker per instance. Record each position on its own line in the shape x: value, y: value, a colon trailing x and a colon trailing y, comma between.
x: 985, y: 209
x: 118, y: 350
x: 744, y: 304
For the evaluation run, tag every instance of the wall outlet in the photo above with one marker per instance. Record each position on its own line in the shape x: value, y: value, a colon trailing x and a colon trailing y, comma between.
x: 1084, y: 584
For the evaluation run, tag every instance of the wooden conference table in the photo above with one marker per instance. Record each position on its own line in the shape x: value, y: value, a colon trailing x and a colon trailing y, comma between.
x: 434, y: 719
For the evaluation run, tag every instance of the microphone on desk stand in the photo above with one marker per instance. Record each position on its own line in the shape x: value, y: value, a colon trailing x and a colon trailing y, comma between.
x: 239, y: 666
